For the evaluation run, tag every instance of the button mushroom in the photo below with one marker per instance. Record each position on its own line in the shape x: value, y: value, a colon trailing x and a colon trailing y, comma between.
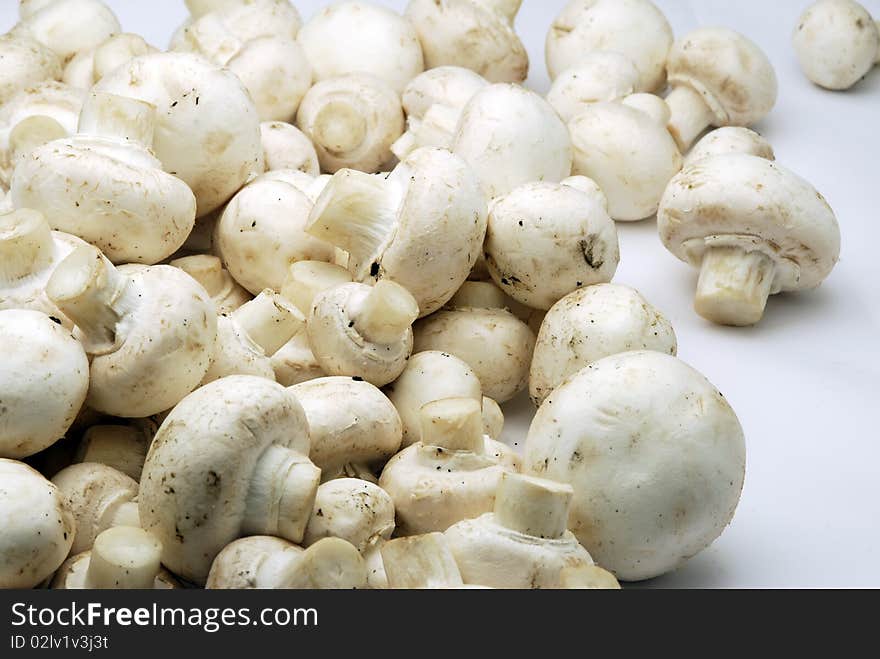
x: 524, y: 542
x: 123, y: 448
x: 420, y: 561
x: 655, y: 454
x: 587, y: 577
x: 406, y: 226
x: 592, y: 323
x: 287, y: 147
x: 226, y: 294
x: 753, y: 228
x: 242, y: 441
x: 88, y: 66
x: 451, y: 474
x: 729, y: 139
x: 600, y: 76
x: 25, y: 63
x: 69, y: 26
x: 718, y: 78
x: 493, y: 418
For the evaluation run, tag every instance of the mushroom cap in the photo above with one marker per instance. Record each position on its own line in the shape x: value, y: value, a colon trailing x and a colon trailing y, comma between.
x: 730, y: 139
x: 70, y: 26
x: 493, y: 342
x: 469, y: 34
x: 122, y: 447
x: 493, y: 418
x: 238, y: 564
x: 195, y: 482
x: 207, y: 127
x: 38, y: 527
x: 740, y: 199
x: 208, y: 270
x: 286, y: 147
x: 360, y: 37
x: 634, y: 28
x: 295, y: 362
x: 837, y: 43
x: 355, y: 510
x: 93, y: 493
x: 350, y: 421
x: 240, y: 22
x: 545, y: 240
x: 452, y: 86
x: 732, y: 74
x: 430, y: 375
x: 589, y: 324
x: 260, y: 233
x: 510, y: 136
x: 628, y: 153
x: 44, y: 377
x: 599, y: 76
x: 655, y: 454
x: 26, y: 62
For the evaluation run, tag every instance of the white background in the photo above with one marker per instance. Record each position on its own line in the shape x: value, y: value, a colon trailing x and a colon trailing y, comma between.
x: 806, y: 381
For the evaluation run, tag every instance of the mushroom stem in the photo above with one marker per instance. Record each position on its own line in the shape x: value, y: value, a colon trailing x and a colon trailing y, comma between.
x: 387, y: 313
x: 533, y: 506
x: 454, y: 424
x: 121, y: 117
x: 506, y: 8
x: 269, y: 320
x: 420, y: 561
x: 25, y: 244
x: 281, y: 494
x: 126, y: 514
x: 124, y: 557
x: 435, y: 128
x: 305, y: 279
x: 90, y: 291
x: 339, y: 127
x: 205, y: 269
x: 330, y: 563
x: 34, y: 132
x: 734, y: 285
x: 689, y: 115
x: 357, y: 212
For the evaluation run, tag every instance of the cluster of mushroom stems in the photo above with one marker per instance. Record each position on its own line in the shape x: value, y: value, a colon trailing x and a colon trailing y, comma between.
x: 297, y: 267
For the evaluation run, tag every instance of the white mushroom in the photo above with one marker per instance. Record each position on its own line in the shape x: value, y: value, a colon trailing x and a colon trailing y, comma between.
x: 493, y: 418
x: 25, y: 62
x: 88, y: 66
x: 475, y: 34
x: 592, y: 323
x: 655, y: 455
x: 753, y: 228
x: 124, y: 448
x: 545, y: 240
x: 360, y: 37
x: 105, y: 186
x: 363, y: 331
x: 718, y: 78
x: 587, y: 577
x: 628, y: 153
x: 636, y: 29
x: 266, y: 562
x: 122, y: 558
x: 44, y: 377
x: 510, y: 136
x: 287, y: 147
x: 837, y: 43
x: 420, y: 561
x: 352, y: 120
x: 69, y: 26
x: 451, y: 474
x: 149, y: 329
x: 226, y: 294
x: 352, y: 425
x: 729, y: 139
x: 38, y: 528
x: 406, y: 226
x: 600, y: 76
x: 207, y: 127
x: 524, y: 542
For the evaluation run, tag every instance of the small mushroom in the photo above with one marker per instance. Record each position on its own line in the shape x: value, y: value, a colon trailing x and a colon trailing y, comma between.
x: 88, y: 66
x: 600, y: 76
x: 592, y: 323
x: 360, y: 37
x: 122, y: 558
x: 753, y: 228
x: 124, y: 448
x: 729, y: 139
x: 655, y: 454
x: 38, y: 528
x: 104, y: 185
x: 524, y: 542
x: 352, y: 425
x: 69, y: 26
x: 44, y: 378
x: 420, y: 561
x: 636, y: 29
x: 718, y: 78
x: 242, y: 440
x: 406, y: 226
x: 837, y: 43
x: 25, y: 63
x: 150, y: 330
x: 510, y: 136
x: 545, y: 240
x: 226, y: 294
x: 451, y: 474
x: 287, y: 147
x: 474, y: 34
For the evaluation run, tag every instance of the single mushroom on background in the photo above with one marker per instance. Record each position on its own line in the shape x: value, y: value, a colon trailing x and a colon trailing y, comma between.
x: 474, y: 34
x: 226, y: 294
x: 88, y: 66
x: 68, y: 26
x: 600, y: 76
x: 636, y: 29
x: 837, y: 43
x: 38, y: 528
x: 592, y: 323
x: 655, y: 454
x: 729, y: 139
x: 753, y: 228
x: 242, y: 440
x: 25, y: 62
x: 286, y: 147
x: 718, y: 78
x: 44, y: 378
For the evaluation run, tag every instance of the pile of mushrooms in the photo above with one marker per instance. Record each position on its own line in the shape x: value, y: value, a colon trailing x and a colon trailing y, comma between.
x: 265, y: 297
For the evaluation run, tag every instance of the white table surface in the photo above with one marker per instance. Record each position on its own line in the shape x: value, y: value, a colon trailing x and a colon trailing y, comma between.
x: 806, y: 381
